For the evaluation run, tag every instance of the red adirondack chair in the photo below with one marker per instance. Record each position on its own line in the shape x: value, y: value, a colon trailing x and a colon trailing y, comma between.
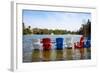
x: 80, y: 44
x: 46, y: 43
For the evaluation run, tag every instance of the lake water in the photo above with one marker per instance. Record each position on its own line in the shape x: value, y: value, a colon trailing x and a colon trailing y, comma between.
x: 28, y: 43
x: 27, y: 40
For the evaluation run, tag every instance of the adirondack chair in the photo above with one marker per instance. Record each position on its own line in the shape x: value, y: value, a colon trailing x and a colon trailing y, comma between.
x: 68, y: 48
x: 36, y: 43
x: 87, y: 47
x: 36, y: 50
x: 87, y: 43
x: 59, y: 43
x: 46, y: 49
x: 59, y: 48
x: 46, y: 43
x: 80, y: 44
x: 68, y: 44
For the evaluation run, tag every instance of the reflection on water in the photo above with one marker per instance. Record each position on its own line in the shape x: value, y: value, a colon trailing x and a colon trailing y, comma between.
x: 30, y: 54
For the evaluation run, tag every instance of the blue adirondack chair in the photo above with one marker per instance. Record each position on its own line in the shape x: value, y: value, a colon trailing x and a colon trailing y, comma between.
x: 87, y: 44
x: 59, y: 43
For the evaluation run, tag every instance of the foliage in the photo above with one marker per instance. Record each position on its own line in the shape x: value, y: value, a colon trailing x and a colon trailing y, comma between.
x: 85, y: 30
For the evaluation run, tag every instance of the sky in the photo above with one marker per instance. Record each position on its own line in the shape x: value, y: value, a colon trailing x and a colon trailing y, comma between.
x: 54, y: 20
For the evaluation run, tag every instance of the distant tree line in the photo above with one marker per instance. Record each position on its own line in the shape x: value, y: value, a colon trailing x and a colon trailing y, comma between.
x: 85, y: 30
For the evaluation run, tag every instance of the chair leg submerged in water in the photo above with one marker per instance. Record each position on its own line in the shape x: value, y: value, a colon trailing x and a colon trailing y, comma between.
x: 59, y: 55
x: 46, y: 55
x: 68, y: 55
x: 36, y: 55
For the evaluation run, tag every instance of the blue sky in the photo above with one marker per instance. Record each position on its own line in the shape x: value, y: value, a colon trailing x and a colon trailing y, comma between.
x: 55, y: 20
